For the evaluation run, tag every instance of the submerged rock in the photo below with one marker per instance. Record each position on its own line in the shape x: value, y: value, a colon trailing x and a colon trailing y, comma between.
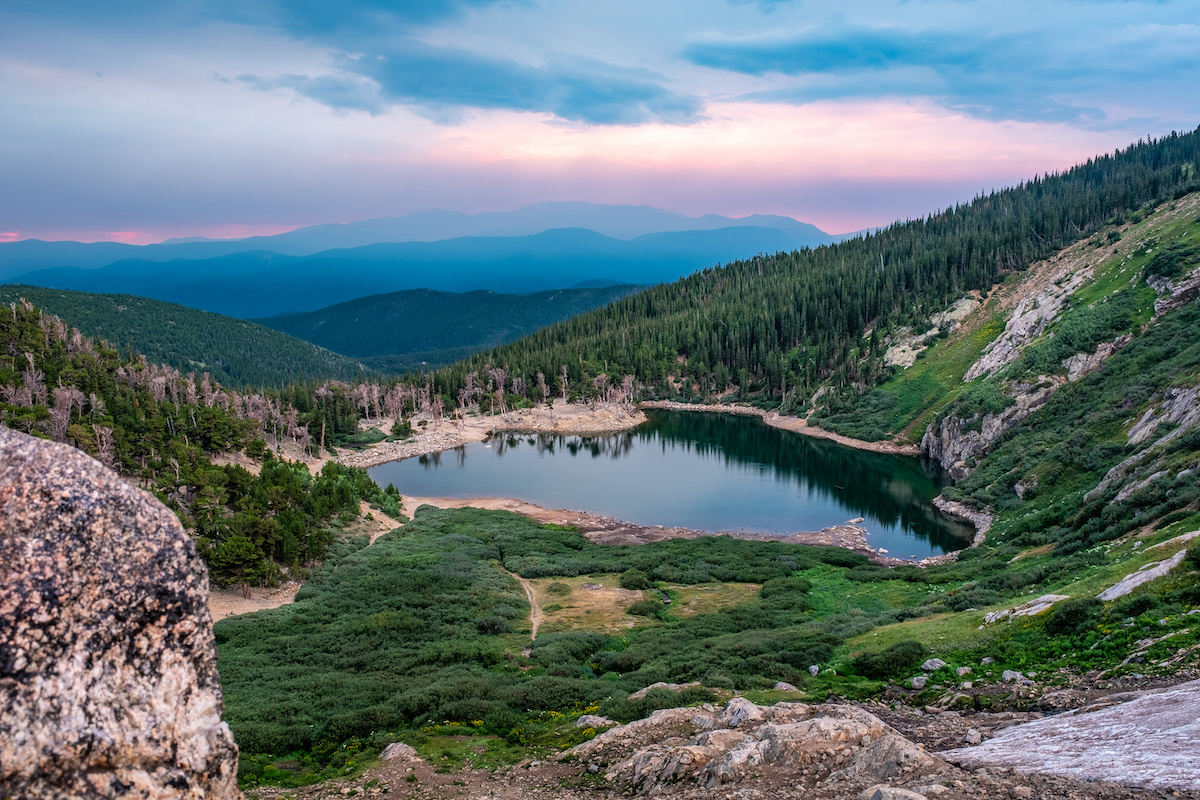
x: 107, y: 661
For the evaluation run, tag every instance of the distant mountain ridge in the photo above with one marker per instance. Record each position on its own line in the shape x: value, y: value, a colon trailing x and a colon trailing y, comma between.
x: 622, y: 222
x: 265, y: 283
x: 406, y: 330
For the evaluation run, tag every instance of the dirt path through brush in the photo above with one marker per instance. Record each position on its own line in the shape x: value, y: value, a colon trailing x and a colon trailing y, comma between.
x: 535, y: 611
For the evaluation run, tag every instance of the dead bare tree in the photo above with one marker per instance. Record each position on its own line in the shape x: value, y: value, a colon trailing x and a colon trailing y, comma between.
x: 105, y: 446
x: 562, y: 382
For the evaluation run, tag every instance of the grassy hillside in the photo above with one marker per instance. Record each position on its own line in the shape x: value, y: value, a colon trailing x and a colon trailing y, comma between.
x: 234, y: 351
x: 399, y: 331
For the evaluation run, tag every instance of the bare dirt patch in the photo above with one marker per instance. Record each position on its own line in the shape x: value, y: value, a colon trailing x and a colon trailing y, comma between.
x: 704, y: 598
x: 224, y: 603
x: 595, y: 604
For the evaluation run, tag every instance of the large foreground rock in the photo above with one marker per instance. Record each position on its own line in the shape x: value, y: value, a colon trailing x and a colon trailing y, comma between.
x: 108, y: 675
x: 1149, y: 742
x: 819, y: 747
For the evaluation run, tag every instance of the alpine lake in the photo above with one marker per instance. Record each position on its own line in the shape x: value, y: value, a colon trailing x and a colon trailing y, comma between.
x: 706, y: 471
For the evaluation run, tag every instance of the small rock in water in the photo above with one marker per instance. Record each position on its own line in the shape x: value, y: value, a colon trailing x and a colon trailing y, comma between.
x: 933, y: 664
x: 972, y: 736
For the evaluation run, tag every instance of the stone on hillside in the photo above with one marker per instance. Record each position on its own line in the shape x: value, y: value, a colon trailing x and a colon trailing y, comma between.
x: 1147, y: 573
x: 933, y: 664
x: 962, y: 671
x: 398, y: 750
x: 739, y: 711
x: 813, y: 670
x: 671, y: 687
x: 987, y: 660
x: 784, y: 686
x: 107, y: 661
x: 594, y: 721
x: 1010, y: 675
x: 885, y: 792
x: 972, y: 737
x: 918, y: 682
x: 1028, y: 609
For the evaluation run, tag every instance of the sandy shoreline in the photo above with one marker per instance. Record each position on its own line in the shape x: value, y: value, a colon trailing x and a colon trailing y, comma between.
x: 570, y: 420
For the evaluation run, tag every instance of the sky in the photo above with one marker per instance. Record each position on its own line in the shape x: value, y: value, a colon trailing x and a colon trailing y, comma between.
x: 139, y: 120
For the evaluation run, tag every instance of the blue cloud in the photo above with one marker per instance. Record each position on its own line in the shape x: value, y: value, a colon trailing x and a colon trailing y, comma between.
x: 379, y: 63
x: 342, y: 93
x: 441, y: 81
x: 1028, y: 76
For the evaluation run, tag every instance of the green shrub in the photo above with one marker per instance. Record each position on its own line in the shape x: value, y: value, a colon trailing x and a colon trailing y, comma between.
x: 645, y: 608
x: 899, y: 658
x: 1192, y: 558
x: 782, y: 586
x: 635, y: 580
x: 558, y: 588
x: 1072, y: 616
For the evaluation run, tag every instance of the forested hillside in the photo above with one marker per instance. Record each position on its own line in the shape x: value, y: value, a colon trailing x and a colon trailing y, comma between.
x: 422, y: 328
x: 161, y: 428
x: 784, y: 324
x: 235, y: 352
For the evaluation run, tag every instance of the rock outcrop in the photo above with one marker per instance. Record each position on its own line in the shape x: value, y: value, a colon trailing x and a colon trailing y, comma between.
x: 1148, y: 572
x: 955, y: 442
x: 107, y: 661
x: 798, y: 744
x: 1150, y: 741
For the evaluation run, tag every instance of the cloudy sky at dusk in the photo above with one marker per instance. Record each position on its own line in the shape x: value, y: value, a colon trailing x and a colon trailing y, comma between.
x: 137, y: 121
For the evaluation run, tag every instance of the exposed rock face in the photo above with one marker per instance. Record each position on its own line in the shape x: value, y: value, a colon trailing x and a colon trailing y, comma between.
x: 1173, y: 295
x: 1150, y: 742
x: 819, y: 745
x: 1029, y: 319
x: 1030, y: 608
x: 1082, y: 364
x: 1180, y: 406
x: 956, y: 440
x: 1149, y: 572
x: 107, y: 664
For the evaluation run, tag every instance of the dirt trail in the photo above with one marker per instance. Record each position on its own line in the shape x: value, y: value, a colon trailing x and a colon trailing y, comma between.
x: 535, y: 611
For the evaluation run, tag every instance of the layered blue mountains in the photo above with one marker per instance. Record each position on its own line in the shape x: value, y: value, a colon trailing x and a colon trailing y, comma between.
x: 537, y: 248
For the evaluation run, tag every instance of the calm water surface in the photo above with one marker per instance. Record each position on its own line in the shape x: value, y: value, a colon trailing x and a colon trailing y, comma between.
x: 711, y: 472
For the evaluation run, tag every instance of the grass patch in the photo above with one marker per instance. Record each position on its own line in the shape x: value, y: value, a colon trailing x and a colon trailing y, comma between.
x: 705, y: 598
x: 599, y: 610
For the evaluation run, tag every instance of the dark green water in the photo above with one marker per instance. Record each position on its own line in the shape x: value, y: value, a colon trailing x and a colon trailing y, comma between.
x: 712, y: 472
